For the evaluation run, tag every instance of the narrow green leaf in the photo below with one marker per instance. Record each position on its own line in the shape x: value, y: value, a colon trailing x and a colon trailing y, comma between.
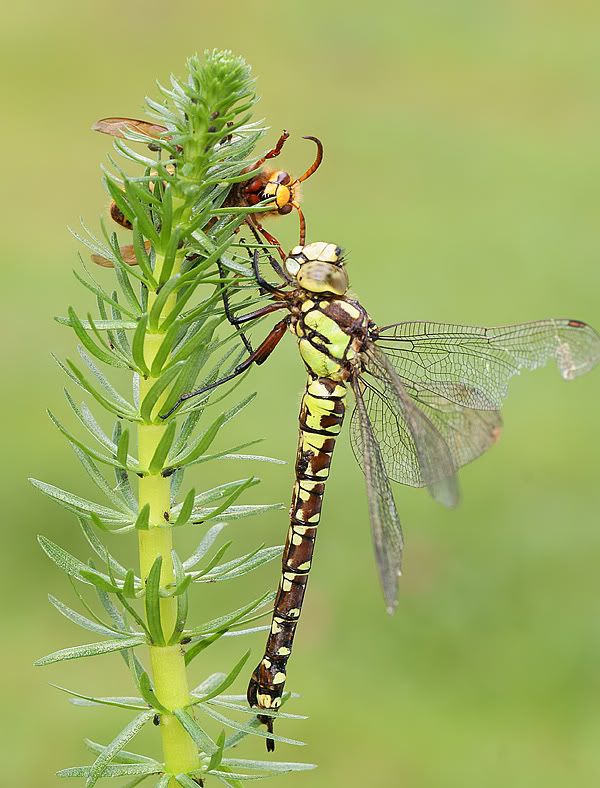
x: 142, y: 256
x: 248, y: 728
x: 143, y: 518
x: 123, y: 449
x: 90, y: 700
x: 101, y: 550
x: 86, y: 417
x: 277, y: 714
x: 223, y: 622
x: 89, y: 343
x: 137, y: 346
x: 101, y: 325
x: 80, y: 620
x: 157, y: 390
x: 100, y: 293
x: 186, y: 509
x: 182, y: 598
x: 227, y: 454
x: 99, y: 480
x: 237, y: 776
x: 145, y: 687
x: 100, y: 582
x: 268, y: 766
x: 238, y: 512
x: 103, y: 380
x: 110, y: 405
x: 124, y: 756
x: 239, y: 567
x: 171, y: 253
x: 238, y: 736
x: 183, y: 297
x: 129, y: 585
x: 227, y: 681
x: 164, y: 445
x: 165, y: 293
x: 89, y: 650
x: 217, y: 493
x: 209, y: 513
x: 99, y: 766
x: 65, y: 561
x: 208, y: 684
x: 103, y: 458
x: 239, y: 407
x: 112, y: 770
x: 201, y: 445
x: 186, y: 380
x: 136, y: 201
x: 206, y: 543
x: 200, y: 737
x: 247, y: 457
x: 166, y: 346
x: 123, y: 271
x: 202, y: 644
x: 213, y: 561
x: 193, y: 343
x: 112, y: 343
x: 152, y: 602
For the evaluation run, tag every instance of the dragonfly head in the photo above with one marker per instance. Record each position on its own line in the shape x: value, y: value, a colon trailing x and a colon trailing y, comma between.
x: 318, y: 268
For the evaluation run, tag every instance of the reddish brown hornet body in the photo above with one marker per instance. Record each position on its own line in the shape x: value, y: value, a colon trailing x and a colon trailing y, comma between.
x: 265, y: 183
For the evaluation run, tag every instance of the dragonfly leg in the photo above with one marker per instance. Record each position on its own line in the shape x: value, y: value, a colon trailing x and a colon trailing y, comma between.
x: 254, y: 223
x: 227, y: 307
x: 262, y: 282
x: 259, y: 356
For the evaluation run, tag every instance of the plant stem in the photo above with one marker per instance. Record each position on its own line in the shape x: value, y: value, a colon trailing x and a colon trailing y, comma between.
x: 168, y: 664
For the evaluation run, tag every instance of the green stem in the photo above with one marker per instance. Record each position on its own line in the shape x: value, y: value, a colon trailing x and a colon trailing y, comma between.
x: 168, y: 664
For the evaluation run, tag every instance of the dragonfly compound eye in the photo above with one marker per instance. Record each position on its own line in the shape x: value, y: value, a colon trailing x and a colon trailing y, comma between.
x: 292, y: 264
x: 322, y: 252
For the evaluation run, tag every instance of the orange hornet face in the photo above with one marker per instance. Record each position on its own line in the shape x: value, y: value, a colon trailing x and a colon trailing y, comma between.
x: 279, y: 186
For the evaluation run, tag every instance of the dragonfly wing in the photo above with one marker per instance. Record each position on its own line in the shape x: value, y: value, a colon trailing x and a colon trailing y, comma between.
x: 445, y: 357
x: 413, y: 450
x: 468, y: 432
x: 385, y: 523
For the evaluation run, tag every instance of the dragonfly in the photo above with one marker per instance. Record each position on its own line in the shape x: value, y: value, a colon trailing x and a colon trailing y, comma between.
x: 427, y: 400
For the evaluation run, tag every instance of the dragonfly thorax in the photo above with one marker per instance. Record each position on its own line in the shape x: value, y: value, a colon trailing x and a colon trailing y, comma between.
x: 318, y: 268
x: 331, y: 334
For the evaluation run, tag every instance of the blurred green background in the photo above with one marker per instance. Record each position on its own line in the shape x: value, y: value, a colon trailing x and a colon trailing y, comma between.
x: 461, y: 171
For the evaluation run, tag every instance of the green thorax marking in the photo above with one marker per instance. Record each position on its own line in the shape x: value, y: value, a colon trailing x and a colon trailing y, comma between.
x: 330, y: 334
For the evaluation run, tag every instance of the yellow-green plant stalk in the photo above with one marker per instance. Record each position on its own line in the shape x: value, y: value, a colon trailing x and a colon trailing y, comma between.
x: 156, y: 327
x: 168, y: 662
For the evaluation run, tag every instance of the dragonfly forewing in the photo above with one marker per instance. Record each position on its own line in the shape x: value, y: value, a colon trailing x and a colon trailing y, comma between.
x: 441, y: 356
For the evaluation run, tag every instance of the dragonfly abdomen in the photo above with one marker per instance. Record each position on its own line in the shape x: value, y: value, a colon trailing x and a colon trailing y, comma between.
x: 321, y: 416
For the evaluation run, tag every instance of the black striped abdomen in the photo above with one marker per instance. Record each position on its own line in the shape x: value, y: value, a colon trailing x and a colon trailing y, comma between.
x: 321, y: 417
